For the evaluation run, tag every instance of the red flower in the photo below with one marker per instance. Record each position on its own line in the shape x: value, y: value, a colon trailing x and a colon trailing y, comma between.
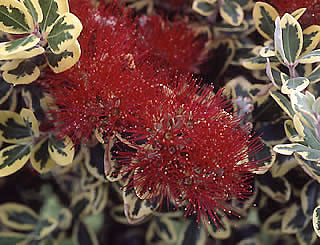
x: 194, y: 152
x: 311, y: 16
x: 172, y: 44
x: 106, y: 85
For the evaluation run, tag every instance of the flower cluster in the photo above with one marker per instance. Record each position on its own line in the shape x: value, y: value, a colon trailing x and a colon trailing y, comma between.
x: 128, y: 81
x: 311, y: 16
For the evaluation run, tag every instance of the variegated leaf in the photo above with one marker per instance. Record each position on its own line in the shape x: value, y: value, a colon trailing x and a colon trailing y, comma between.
x: 282, y: 165
x: 275, y: 75
x: 137, y: 209
x: 296, y: 84
x: 13, y: 128
x: 259, y: 62
x: 231, y: 12
x: 13, y: 158
x: 51, y: 9
x: 292, y: 38
x: 80, y: 205
x: 10, y: 65
x: 66, y: 59
x: 25, y: 73
x: 13, y: 238
x: 283, y: 102
x: 307, y: 235
x: 64, y: 33
x: 95, y: 164
x: 311, y: 57
x: 33, y: 9
x: 294, y: 219
x: 193, y: 234
x: 316, y: 220
x: 31, y: 121
x: 18, y: 45
x: 61, y: 151
x: 267, y: 52
x: 304, y: 151
x: 272, y: 225
x: 220, y: 229
x: 311, y: 38
x: 277, y: 189
x: 264, y: 16
x: 203, y: 7
x: 40, y: 158
x: 314, y: 76
x: 44, y: 227
x: 312, y: 168
x: 298, y: 13
x: 82, y: 234
x: 18, y: 217
x: 14, y: 17
x: 25, y: 54
x: 5, y: 90
x: 100, y: 199
x: 291, y: 132
x: 310, y: 197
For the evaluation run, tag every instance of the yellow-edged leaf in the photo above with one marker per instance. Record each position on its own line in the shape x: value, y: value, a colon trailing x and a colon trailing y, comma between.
x: 30, y: 120
x: 18, y: 217
x: 13, y: 238
x: 40, y: 158
x: 264, y: 16
x: 316, y: 220
x: 64, y: 32
x: 61, y: 151
x: 25, y: 54
x: 25, y: 73
x: 66, y: 59
x: 292, y: 37
x: 231, y: 12
x: 13, y: 128
x: 10, y: 65
x: 311, y: 38
x: 13, y: 158
x: 298, y: 13
x: 14, y: 17
x: 18, y: 45
x: 34, y: 9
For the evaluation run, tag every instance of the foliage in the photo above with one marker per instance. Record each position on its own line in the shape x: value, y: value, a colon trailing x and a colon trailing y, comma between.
x: 182, y: 122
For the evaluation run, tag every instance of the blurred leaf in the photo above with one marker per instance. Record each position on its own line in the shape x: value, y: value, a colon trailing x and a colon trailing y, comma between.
x: 272, y: 225
x: 204, y: 7
x: 12, y: 238
x: 18, y: 217
x: 61, y: 150
x: 83, y: 235
x: 294, y: 219
x: 231, y: 12
x: 311, y: 38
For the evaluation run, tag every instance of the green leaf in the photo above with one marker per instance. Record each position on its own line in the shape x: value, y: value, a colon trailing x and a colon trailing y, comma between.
x: 40, y: 158
x: 306, y: 152
x: 316, y: 220
x: 266, y: 157
x: 64, y: 33
x: 264, y: 16
x: 294, y: 219
x: 291, y: 132
x: 5, y: 90
x: 311, y: 38
x: 18, y: 45
x: 65, y: 60
x: 311, y: 57
x: 231, y: 12
x: 292, y: 38
x: 51, y: 10
x: 18, y: 217
x: 13, y: 128
x: 203, y: 7
x: 84, y: 235
x: 274, y: 74
x: 13, y: 158
x: 25, y: 73
x: 14, y: 17
x: 296, y: 84
x: 34, y: 10
x: 12, y: 238
x: 283, y: 102
x: 61, y: 151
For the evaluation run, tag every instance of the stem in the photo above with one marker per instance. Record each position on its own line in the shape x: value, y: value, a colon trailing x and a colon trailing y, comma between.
x: 292, y: 70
